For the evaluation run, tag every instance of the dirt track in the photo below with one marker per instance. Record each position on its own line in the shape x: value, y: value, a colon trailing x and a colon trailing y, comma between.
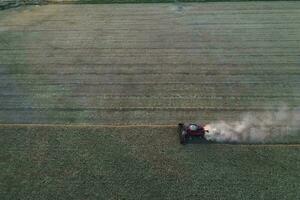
x: 147, y: 63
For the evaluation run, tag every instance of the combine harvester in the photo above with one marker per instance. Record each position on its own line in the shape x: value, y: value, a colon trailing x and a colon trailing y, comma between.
x: 188, y: 131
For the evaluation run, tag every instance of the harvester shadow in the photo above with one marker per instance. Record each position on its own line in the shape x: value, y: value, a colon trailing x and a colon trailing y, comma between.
x: 199, y: 141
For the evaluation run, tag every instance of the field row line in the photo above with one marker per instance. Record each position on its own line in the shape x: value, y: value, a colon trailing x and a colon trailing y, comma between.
x: 4, y: 85
x: 214, y: 40
x: 139, y: 48
x: 192, y: 12
x: 163, y: 65
x: 206, y: 108
x: 162, y: 23
x: 105, y: 125
x: 143, y: 65
x: 155, y: 55
x: 93, y: 125
x: 158, y: 97
x: 144, y: 29
x: 264, y: 73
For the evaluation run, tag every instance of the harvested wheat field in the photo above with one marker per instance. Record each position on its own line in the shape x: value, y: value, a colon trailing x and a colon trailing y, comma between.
x: 90, y: 96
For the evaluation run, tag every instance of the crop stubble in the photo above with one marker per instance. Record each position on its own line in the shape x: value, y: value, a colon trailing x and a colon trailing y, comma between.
x: 147, y: 64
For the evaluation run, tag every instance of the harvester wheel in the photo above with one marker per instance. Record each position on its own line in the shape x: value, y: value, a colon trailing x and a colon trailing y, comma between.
x: 182, y: 137
x: 182, y: 134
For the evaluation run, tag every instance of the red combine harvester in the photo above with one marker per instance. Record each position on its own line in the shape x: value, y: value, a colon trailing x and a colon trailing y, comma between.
x: 188, y: 131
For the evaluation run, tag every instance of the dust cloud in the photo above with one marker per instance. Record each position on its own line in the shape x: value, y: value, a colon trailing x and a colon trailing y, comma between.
x: 256, y: 128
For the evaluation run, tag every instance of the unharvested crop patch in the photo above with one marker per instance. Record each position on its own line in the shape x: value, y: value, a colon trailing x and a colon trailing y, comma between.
x: 85, y: 161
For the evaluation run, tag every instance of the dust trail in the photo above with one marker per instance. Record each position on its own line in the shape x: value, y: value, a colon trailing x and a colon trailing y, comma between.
x: 256, y: 128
